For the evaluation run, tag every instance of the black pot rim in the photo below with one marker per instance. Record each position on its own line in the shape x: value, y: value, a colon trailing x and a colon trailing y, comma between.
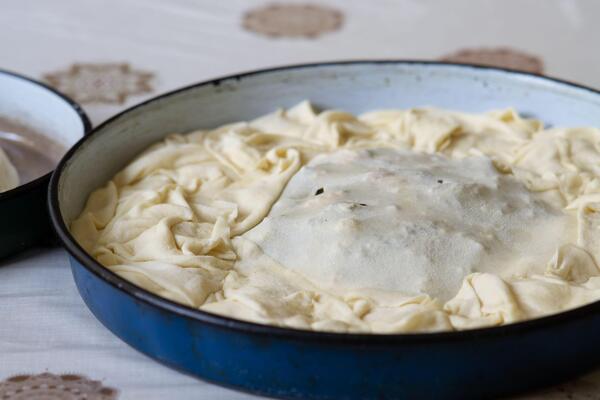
x: 87, y: 127
x: 371, y: 339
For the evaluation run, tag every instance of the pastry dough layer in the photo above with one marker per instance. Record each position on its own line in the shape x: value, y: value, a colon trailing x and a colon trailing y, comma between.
x: 226, y: 220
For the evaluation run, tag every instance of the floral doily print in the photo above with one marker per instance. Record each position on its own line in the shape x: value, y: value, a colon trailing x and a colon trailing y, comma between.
x: 584, y: 388
x: 293, y: 20
x: 109, y: 83
x: 48, y: 386
x: 498, y: 57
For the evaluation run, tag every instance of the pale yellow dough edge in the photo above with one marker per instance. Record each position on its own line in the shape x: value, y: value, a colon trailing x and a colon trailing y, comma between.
x: 9, y: 177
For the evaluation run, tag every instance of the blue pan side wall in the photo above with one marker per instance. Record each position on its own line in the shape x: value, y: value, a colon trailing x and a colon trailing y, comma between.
x: 291, y: 368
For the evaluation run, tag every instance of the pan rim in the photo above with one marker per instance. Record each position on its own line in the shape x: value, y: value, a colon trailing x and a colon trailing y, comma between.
x: 86, y: 129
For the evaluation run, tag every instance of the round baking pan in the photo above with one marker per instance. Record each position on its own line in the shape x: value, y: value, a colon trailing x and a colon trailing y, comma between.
x: 290, y: 363
x: 33, y: 106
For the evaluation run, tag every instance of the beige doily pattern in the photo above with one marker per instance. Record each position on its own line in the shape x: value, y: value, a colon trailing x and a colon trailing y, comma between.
x: 110, y: 83
x: 48, y: 386
x: 293, y: 20
x: 498, y: 57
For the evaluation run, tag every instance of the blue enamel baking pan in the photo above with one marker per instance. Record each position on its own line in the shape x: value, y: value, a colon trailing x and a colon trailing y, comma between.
x: 296, y: 364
